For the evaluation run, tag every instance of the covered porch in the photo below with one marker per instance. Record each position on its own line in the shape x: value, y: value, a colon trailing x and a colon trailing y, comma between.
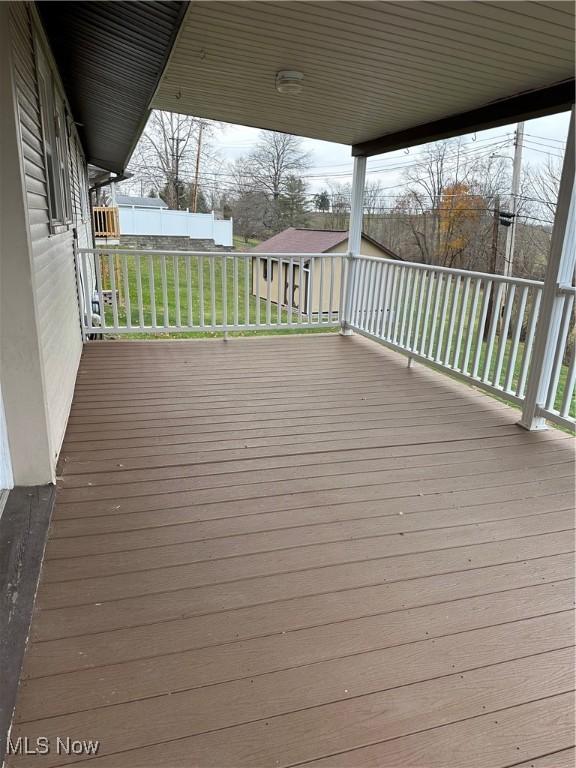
x: 325, y: 557
x: 296, y: 549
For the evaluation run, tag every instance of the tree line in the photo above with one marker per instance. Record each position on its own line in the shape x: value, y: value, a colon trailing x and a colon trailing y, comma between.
x: 450, y: 208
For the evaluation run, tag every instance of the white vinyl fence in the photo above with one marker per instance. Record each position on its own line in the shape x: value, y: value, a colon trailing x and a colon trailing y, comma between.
x: 162, y: 221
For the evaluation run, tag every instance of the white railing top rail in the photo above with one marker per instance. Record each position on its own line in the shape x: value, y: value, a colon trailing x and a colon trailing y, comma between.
x: 248, y: 254
x: 451, y: 271
x: 274, y: 255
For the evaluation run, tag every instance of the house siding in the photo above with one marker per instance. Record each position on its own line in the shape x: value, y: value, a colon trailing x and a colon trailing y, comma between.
x: 51, y: 255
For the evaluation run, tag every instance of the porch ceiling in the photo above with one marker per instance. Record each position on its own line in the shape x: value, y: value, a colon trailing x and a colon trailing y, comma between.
x: 371, y: 69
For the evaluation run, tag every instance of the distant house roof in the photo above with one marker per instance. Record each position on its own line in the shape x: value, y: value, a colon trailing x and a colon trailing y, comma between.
x: 142, y: 202
x: 294, y: 240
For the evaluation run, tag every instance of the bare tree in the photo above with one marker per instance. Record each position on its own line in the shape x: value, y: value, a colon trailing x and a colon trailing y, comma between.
x: 449, y: 204
x: 340, y: 196
x: 269, y: 192
x: 439, y: 165
x: 251, y: 210
x: 414, y: 207
x: 276, y: 158
x: 542, y: 186
x: 167, y: 155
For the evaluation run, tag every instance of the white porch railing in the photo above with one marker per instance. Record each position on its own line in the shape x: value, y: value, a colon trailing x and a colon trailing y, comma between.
x: 479, y: 327
x: 134, y: 292
x: 476, y: 326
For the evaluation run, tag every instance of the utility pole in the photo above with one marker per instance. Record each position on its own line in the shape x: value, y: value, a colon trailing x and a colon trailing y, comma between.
x: 197, y: 172
x: 494, y: 265
x: 495, y: 232
x: 175, y: 168
x: 516, y: 177
x: 177, y: 179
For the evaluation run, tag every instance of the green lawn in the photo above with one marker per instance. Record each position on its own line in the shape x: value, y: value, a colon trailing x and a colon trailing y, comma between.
x: 240, y: 244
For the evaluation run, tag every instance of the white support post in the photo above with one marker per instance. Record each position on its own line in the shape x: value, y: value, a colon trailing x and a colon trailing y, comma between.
x: 354, y: 239
x: 560, y: 272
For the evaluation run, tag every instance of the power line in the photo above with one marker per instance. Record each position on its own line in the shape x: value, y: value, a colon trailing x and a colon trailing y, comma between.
x: 533, y: 148
x: 547, y: 138
x: 539, y: 143
x: 469, y: 152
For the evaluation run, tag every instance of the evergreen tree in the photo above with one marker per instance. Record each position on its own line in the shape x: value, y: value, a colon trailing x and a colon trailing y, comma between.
x: 291, y: 206
x: 322, y: 201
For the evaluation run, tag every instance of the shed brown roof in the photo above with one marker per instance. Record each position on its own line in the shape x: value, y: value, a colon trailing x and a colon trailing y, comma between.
x: 293, y: 240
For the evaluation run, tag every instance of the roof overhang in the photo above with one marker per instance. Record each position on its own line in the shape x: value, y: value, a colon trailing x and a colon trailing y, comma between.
x: 377, y: 75
x: 526, y: 106
x: 110, y: 56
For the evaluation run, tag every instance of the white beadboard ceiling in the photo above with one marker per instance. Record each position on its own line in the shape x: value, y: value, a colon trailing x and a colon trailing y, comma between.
x: 371, y: 68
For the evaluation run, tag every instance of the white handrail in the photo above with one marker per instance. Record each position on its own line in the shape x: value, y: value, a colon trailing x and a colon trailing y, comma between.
x: 479, y: 327
x: 208, y: 254
x: 164, y: 291
x: 462, y: 272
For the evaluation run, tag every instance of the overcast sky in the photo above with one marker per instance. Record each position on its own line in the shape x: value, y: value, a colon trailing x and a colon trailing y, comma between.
x: 543, y: 136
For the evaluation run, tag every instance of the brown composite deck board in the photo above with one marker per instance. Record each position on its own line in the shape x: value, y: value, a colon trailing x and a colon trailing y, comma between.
x: 69, y: 550
x: 268, y: 619
x: 563, y: 758
x: 324, y: 464
x: 282, y: 551
x: 146, y: 464
x: 196, y: 668
x: 291, y: 552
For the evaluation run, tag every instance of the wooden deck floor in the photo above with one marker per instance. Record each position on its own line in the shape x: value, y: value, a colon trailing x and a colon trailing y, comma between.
x: 284, y: 551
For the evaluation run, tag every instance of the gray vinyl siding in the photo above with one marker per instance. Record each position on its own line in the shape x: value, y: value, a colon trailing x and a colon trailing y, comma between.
x: 53, y: 270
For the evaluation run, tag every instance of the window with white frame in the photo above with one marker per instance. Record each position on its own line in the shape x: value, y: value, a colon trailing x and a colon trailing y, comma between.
x: 55, y: 143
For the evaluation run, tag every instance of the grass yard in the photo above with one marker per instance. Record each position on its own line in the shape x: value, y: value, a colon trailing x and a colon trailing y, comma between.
x: 240, y: 244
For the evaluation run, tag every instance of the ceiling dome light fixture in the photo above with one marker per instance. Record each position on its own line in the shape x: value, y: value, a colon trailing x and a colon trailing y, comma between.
x: 289, y: 81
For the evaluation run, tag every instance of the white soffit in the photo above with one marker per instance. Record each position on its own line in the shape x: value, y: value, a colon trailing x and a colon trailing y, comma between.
x: 370, y: 68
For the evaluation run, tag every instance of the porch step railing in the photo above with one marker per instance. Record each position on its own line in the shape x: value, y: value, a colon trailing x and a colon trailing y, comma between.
x: 478, y: 327
x: 155, y: 292
x: 106, y: 222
